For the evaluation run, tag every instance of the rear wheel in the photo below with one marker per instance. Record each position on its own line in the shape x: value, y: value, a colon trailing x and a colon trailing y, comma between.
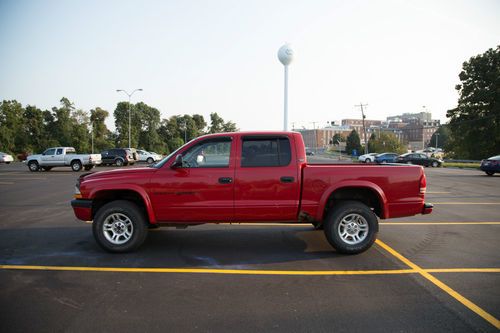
x: 490, y: 173
x: 33, y: 166
x: 76, y: 165
x: 351, y: 227
x: 435, y: 164
x: 150, y: 160
x: 367, y: 160
x: 119, y: 162
x: 119, y: 226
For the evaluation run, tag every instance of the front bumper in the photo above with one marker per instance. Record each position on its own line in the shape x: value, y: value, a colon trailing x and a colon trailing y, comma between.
x: 82, y: 209
x: 427, y: 209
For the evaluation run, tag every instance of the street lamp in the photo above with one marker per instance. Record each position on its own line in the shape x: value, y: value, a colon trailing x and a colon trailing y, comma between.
x: 437, y: 138
x: 129, y: 97
x: 285, y: 55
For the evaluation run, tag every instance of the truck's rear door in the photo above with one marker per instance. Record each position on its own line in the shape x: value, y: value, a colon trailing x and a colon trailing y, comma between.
x: 267, y: 180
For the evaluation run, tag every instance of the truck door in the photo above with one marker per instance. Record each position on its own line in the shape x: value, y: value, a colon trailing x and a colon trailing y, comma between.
x: 49, y: 157
x: 267, y: 184
x: 202, y: 189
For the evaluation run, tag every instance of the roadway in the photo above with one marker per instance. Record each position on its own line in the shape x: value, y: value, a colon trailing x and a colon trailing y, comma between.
x: 438, y: 272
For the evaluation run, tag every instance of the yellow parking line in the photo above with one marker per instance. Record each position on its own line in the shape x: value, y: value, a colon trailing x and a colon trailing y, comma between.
x: 204, y: 270
x: 463, y: 270
x: 473, y: 307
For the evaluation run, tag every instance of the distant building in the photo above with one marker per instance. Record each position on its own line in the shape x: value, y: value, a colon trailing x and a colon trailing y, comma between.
x: 320, y: 138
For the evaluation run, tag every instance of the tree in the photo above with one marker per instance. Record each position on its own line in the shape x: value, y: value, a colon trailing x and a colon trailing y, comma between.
x: 475, y: 122
x: 102, y: 136
x: 353, y: 143
x: 386, y: 142
x: 217, y: 125
x: 442, y: 136
x: 11, y: 121
x: 149, y: 139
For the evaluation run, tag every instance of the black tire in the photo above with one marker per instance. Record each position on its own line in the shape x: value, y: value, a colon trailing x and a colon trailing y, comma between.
x: 150, y: 160
x: 88, y: 167
x: 434, y: 164
x: 33, y: 166
x: 119, y: 162
x: 47, y: 168
x: 367, y: 160
x: 124, y: 232
x: 76, y: 165
x: 490, y: 173
x: 349, y: 215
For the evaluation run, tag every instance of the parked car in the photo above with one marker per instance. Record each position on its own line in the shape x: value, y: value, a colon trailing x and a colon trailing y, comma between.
x: 62, y: 156
x: 119, y: 156
x: 148, y: 157
x: 419, y: 159
x: 491, y: 165
x: 248, y: 177
x: 386, y: 158
x: 368, y: 158
x: 6, y: 158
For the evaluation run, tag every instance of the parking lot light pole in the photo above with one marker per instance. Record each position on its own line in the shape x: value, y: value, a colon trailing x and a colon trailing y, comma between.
x: 437, y: 138
x: 129, y: 97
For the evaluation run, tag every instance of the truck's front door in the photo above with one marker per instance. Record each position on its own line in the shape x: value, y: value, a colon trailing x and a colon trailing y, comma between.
x: 49, y: 157
x: 200, y: 190
x: 267, y: 185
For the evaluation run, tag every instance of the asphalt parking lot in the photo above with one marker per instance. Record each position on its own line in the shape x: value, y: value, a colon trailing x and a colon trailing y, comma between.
x: 438, y: 272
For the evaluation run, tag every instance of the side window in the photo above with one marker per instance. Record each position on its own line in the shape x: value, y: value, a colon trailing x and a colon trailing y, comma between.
x: 212, y: 153
x: 265, y: 152
x: 59, y: 151
x: 50, y: 152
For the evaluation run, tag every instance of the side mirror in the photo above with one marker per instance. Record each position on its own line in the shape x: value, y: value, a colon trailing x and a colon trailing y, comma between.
x: 178, y: 162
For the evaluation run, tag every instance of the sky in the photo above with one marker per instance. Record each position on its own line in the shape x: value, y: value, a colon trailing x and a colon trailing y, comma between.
x: 221, y: 56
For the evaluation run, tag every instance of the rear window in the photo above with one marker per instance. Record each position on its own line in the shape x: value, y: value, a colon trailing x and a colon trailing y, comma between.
x: 265, y: 152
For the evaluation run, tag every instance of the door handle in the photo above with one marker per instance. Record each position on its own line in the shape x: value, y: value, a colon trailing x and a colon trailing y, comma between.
x: 287, y: 179
x: 225, y: 180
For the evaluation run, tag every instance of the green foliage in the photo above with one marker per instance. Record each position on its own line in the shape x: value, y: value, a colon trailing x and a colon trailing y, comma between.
x: 217, y: 124
x: 442, y: 139
x: 32, y: 130
x: 353, y: 143
x: 475, y: 122
x: 386, y: 142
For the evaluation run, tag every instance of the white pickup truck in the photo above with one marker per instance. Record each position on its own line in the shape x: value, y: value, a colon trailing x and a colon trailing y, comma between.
x: 62, y: 156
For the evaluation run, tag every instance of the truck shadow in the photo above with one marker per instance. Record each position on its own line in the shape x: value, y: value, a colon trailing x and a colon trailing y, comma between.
x: 297, y: 248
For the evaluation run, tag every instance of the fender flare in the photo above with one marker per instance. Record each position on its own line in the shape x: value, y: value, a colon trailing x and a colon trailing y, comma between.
x: 353, y: 184
x: 129, y: 187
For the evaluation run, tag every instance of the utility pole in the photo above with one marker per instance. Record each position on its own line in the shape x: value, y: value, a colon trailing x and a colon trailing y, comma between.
x: 437, y: 138
x: 361, y: 105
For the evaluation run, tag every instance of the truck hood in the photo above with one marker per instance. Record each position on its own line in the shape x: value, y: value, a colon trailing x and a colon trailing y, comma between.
x: 117, y: 173
x: 30, y: 157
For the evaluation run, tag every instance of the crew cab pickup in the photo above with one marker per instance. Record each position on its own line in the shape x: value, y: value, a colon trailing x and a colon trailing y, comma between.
x: 248, y: 177
x: 62, y: 156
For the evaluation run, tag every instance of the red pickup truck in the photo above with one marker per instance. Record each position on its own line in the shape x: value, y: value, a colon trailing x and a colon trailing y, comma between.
x: 248, y: 177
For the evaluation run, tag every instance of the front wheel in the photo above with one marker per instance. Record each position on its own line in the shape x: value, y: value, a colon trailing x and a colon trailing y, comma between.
x: 435, y: 164
x: 119, y: 162
x: 351, y: 227
x: 150, y: 160
x: 490, y: 173
x: 119, y: 226
x: 33, y: 166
